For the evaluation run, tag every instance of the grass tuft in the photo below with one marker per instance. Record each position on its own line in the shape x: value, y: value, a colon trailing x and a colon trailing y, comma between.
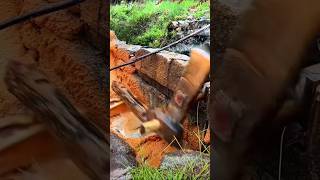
x: 195, y: 170
x: 189, y: 171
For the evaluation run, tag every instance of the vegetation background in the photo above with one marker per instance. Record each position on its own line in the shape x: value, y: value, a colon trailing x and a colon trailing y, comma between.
x: 147, y: 23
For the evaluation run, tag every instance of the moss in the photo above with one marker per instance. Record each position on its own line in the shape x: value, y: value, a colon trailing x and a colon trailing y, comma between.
x: 147, y: 24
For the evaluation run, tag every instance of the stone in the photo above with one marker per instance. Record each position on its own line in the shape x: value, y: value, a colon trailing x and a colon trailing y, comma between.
x: 174, y: 23
x: 122, y: 158
x: 183, y: 28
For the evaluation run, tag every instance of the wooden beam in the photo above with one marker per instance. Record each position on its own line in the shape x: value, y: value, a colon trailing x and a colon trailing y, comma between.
x: 86, y: 143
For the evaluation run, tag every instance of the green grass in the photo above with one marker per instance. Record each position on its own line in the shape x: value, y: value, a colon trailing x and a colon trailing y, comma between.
x: 197, y: 169
x: 147, y: 24
x: 189, y: 171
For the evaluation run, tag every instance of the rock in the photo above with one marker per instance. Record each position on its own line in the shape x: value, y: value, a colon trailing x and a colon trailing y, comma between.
x: 180, y: 159
x: 122, y: 158
x: 174, y: 24
x: 180, y: 29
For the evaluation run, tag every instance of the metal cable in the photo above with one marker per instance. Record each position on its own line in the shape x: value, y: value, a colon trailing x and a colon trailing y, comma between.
x: 161, y: 49
x: 39, y: 12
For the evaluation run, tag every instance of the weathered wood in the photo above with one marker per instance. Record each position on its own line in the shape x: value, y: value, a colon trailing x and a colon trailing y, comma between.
x: 87, y: 144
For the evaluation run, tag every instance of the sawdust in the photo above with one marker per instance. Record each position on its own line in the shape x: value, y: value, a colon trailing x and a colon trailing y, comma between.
x: 54, y: 43
x: 190, y: 139
x: 72, y: 64
x: 152, y: 149
x: 149, y: 149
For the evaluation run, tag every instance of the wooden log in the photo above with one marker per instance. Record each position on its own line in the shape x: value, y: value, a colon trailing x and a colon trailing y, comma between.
x: 87, y: 144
